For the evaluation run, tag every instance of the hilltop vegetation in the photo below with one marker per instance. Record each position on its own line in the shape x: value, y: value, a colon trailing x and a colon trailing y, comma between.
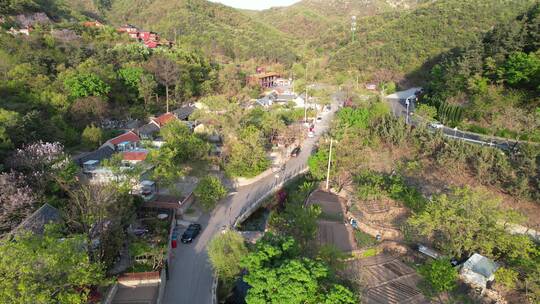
x: 494, y: 81
x: 309, y: 18
x: 214, y: 28
x: 405, y: 42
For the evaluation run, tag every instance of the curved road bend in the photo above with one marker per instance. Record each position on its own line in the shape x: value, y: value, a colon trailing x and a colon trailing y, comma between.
x: 399, y: 109
x: 190, y: 272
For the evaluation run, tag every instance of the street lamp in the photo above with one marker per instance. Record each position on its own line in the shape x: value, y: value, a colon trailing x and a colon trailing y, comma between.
x: 353, y: 27
x: 407, y: 102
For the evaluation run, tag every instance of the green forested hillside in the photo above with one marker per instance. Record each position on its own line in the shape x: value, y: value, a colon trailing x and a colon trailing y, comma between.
x: 494, y: 81
x: 308, y: 19
x: 406, y: 41
x: 214, y: 28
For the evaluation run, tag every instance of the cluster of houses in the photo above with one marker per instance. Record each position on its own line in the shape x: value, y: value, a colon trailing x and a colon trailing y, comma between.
x: 26, y: 23
x: 275, y: 98
x: 132, y: 152
x: 149, y: 39
x: 266, y: 79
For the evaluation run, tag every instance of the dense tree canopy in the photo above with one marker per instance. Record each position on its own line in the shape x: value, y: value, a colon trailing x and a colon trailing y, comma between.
x: 51, y: 268
x: 277, y: 274
x: 209, y: 191
x: 225, y: 252
x: 181, y: 146
x: 468, y: 221
x: 247, y: 156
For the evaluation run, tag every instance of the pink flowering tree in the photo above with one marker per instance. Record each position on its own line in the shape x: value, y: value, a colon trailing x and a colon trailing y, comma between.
x: 17, y: 201
x: 43, y: 163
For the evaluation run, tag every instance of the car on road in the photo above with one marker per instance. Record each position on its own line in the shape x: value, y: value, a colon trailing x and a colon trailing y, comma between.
x: 295, y: 152
x: 436, y: 125
x: 191, y: 233
x: 311, y: 134
x: 319, y: 118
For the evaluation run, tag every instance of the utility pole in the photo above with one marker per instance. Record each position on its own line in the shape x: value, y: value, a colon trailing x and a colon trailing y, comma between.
x: 305, y: 102
x: 353, y: 27
x: 329, y: 163
x: 292, y: 82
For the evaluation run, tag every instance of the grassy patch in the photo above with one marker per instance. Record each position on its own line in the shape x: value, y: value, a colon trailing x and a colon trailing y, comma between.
x: 364, y: 240
x: 370, y: 252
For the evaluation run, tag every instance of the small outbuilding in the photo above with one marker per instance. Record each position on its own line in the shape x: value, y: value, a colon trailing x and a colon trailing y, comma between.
x: 478, y: 271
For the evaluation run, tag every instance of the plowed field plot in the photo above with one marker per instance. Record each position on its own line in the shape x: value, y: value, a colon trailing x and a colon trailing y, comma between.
x: 386, y: 280
x: 336, y: 234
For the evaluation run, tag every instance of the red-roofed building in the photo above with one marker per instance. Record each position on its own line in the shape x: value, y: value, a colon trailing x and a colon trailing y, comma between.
x: 151, y: 44
x: 164, y: 119
x: 128, y: 28
x: 94, y: 23
x: 126, y: 141
x: 134, y: 156
x: 148, y: 36
x: 265, y: 80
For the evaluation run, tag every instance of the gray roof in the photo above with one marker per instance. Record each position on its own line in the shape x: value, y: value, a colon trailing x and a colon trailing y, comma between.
x: 481, y: 265
x: 266, y: 101
x: 184, y: 112
x: 99, y: 155
x: 148, y: 130
x: 286, y: 97
x: 36, y: 222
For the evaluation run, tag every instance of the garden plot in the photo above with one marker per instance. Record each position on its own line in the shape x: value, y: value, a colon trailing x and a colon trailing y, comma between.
x: 385, y: 279
x: 331, y: 227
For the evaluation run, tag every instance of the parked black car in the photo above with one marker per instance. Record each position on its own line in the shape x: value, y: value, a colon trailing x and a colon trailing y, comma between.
x: 295, y: 152
x: 191, y: 233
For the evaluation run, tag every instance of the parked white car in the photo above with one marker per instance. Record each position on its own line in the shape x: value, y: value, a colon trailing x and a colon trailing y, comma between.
x: 311, y: 134
x: 436, y: 125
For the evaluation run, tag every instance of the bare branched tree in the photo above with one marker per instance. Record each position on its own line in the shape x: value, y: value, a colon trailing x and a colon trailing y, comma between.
x: 166, y: 71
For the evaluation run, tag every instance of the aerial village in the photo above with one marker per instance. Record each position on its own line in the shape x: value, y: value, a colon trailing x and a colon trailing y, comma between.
x: 143, y: 265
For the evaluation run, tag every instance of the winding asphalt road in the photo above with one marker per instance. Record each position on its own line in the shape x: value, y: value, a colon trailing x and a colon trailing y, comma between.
x: 190, y: 272
x: 399, y: 108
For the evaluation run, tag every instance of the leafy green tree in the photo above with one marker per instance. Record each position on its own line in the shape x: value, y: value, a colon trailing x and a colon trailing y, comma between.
x: 340, y: 295
x: 49, y: 268
x: 318, y: 164
x: 8, y: 121
x: 297, y: 221
x: 507, y: 277
x: 209, y: 191
x: 440, y: 275
x: 469, y: 221
x: 225, y: 252
x: 426, y: 111
x: 131, y: 76
x: 86, y: 84
x: 92, y: 136
x: 181, y: 146
x: 187, y: 146
x: 520, y: 68
x: 247, y: 156
x: 388, y: 87
x: 276, y: 274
